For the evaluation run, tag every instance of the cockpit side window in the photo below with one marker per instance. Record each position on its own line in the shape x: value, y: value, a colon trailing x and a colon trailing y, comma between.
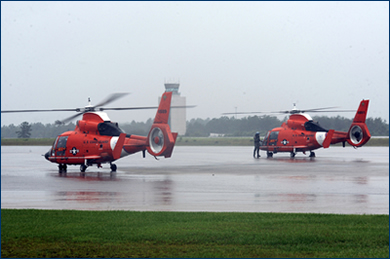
x: 109, y: 129
x: 265, y: 140
x: 61, y: 146
x: 314, y: 126
x: 274, y: 135
x: 273, y: 138
x: 54, y: 147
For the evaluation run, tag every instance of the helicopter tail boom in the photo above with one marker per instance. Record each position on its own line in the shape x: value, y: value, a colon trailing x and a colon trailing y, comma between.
x: 160, y: 140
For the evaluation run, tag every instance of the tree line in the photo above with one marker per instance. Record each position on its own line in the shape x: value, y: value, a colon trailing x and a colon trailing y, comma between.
x: 229, y: 126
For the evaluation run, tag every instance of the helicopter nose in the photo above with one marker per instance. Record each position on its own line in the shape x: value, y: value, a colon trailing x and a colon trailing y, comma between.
x: 47, y: 155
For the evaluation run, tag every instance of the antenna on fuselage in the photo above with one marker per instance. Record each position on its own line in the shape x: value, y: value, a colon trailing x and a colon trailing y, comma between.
x: 294, y: 107
x: 89, y: 107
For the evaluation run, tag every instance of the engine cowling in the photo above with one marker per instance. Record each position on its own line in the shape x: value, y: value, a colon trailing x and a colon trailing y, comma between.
x: 161, y: 140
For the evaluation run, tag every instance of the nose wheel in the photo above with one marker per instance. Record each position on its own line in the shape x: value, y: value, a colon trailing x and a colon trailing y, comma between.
x: 62, y: 168
x: 83, y: 168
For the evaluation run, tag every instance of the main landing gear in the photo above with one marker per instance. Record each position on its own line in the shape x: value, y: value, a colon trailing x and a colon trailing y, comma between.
x: 63, y: 167
x: 113, y: 167
x: 312, y: 154
x: 83, y: 167
x: 292, y: 154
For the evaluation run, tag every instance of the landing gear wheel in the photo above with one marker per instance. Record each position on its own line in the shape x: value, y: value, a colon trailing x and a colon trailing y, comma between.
x: 292, y: 154
x: 269, y: 154
x: 83, y: 168
x: 113, y: 167
x: 312, y: 154
x: 62, y: 168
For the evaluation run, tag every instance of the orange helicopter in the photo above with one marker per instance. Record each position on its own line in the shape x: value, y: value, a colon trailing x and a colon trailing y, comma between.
x: 301, y: 134
x: 97, y: 140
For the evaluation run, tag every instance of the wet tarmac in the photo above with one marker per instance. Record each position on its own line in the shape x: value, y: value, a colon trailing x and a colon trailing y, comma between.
x: 339, y: 180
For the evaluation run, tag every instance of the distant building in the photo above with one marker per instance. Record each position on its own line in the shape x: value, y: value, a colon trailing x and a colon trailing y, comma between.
x: 177, y: 117
x: 216, y: 135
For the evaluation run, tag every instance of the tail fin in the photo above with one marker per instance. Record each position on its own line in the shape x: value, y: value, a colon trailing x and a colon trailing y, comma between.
x: 162, y: 115
x: 361, y: 114
x: 160, y: 139
x: 358, y: 133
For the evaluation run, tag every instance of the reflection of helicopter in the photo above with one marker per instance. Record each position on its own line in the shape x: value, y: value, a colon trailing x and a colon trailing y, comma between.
x: 97, y: 140
x: 300, y: 133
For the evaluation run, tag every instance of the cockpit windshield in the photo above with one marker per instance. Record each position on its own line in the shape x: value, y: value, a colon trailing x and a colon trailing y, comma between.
x: 109, y: 129
x: 314, y: 126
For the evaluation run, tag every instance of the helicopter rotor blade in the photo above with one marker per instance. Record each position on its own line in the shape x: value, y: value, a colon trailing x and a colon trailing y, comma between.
x: 92, y: 108
x: 293, y: 111
x: 64, y: 121
x: 180, y: 107
x: 126, y: 108
x: 335, y: 111
x: 142, y: 108
x: 317, y: 109
x: 110, y: 99
x: 234, y: 113
x: 50, y: 110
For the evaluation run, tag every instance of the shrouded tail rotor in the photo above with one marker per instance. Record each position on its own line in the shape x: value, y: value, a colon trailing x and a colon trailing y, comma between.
x: 358, y: 133
x: 161, y: 140
x: 156, y: 140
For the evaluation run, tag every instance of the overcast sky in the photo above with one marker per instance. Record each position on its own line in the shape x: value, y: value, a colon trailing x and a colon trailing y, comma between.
x: 249, y: 56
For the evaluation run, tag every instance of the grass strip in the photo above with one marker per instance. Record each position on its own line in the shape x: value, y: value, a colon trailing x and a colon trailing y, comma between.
x: 129, y: 234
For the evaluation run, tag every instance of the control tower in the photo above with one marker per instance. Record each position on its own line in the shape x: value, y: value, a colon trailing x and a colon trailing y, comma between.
x: 177, y: 116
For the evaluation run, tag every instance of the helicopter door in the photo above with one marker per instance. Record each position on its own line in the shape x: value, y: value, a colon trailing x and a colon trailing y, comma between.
x: 273, y: 138
x: 60, y: 146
